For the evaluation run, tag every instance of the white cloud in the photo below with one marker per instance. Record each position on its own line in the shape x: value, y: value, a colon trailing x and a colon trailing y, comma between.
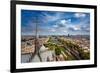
x: 78, y: 27
x: 78, y: 15
x: 55, y: 26
x: 48, y: 17
x: 69, y: 20
x: 65, y: 31
x: 53, y: 30
x: 63, y: 22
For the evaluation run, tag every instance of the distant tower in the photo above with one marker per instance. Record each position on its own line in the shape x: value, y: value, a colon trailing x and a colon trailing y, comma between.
x: 68, y: 35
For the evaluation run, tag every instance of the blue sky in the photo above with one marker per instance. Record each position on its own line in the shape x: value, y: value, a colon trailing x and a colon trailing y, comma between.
x: 54, y: 23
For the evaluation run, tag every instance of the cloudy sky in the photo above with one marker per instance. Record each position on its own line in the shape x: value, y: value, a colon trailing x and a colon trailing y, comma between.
x: 54, y: 23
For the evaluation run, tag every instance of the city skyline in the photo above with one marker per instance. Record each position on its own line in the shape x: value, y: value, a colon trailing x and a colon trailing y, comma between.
x: 54, y: 23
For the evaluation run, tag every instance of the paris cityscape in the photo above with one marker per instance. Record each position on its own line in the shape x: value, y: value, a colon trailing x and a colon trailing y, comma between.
x: 48, y: 36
